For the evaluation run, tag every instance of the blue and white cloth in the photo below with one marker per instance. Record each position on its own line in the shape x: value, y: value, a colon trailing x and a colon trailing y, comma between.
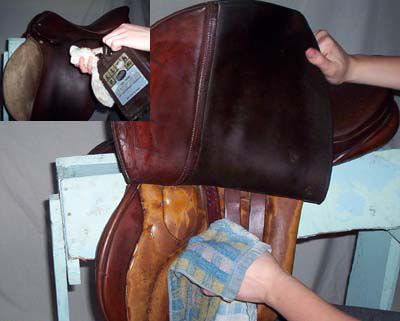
x: 217, y: 261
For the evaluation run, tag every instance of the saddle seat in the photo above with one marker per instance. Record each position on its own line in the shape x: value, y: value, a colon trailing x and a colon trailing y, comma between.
x: 53, y: 28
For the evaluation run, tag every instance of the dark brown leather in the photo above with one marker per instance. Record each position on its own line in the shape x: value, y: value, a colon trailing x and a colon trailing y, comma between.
x: 242, y: 116
x: 64, y: 93
x: 365, y: 118
x: 114, y: 253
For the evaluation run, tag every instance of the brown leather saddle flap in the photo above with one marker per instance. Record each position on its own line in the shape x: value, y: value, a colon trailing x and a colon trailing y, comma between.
x: 234, y: 103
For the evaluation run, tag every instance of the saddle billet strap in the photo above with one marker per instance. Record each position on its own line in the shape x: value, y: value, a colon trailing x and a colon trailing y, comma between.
x: 213, y: 206
x: 257, y: 215
x: 280, y: 231
x: 232, y: 205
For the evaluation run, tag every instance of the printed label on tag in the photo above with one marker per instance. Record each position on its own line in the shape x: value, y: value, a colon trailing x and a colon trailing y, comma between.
x: 125, y: 79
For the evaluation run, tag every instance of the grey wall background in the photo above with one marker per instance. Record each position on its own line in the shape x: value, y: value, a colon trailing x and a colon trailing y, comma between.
x: 27, y: 151
x: 360, y: 26
x: 27, y: 155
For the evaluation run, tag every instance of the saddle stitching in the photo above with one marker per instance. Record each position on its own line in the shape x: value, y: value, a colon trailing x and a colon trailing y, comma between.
x: 204, y: 70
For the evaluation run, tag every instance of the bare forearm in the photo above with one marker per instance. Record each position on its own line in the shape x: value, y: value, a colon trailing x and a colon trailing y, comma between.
x: 379, y: 71
x: 297, y: 303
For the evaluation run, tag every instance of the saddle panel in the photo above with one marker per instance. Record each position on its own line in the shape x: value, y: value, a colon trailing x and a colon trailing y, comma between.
x: 172, y: 216
x: 114, y: 253
x: 23, y: 70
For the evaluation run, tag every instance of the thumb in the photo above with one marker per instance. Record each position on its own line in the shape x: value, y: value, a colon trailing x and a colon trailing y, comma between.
x: 318, y: 59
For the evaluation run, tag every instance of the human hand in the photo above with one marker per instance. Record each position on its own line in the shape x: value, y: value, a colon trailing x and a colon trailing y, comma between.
x: 333, y: 60
x: 84, y: 58
x: 129, y: 35
x: 260, y: 280
x: 85, y: 68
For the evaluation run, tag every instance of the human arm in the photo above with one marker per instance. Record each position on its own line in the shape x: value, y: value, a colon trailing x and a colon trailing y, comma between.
x: 339, y: 67
x: 266, y: 282
x: 126, y: 35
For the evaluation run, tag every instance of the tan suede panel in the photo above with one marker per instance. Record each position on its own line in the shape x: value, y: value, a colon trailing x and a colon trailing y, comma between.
x: 22, y: 78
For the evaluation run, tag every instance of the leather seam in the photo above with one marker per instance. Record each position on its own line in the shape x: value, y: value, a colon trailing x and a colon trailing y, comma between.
x: 118, y: 153
x: 201, y: 93
x: 38, y: 87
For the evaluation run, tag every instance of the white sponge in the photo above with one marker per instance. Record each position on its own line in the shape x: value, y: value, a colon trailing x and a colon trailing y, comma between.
x: 99, y: 90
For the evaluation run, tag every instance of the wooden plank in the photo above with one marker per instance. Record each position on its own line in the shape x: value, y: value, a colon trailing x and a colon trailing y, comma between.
x: 375, y: 271
x: 88, y: 165
x: 363, y: 195
x: 88, y: 202
x: 73, y: 270
x: 395, y: 234
x: 391, y: 275
x: 59, y: 261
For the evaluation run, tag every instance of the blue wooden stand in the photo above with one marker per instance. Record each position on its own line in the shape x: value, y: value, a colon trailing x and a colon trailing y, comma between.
x: 364, y: 195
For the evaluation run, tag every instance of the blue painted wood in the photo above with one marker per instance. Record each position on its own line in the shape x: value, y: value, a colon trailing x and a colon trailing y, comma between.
x: 391, y: 275
x: 12, y: 45
x: 73, y: 269
x: 363, y: 195
x: 59, y: 259
x: 395, y: 234
x: 88, y: 165
x: 375, y: 270
x: 88, y: 202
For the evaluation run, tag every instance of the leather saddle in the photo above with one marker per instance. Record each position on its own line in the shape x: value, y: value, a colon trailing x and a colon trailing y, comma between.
x: 154, y: 221
x: 39, y: 82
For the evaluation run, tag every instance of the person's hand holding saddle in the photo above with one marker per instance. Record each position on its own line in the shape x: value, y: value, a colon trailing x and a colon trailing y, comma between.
x: 126, y: 35
x: 339, y: 67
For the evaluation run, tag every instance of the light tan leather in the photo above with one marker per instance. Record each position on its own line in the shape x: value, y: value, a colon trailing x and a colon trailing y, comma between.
x: 23, y: 71
x: 173, y: 214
